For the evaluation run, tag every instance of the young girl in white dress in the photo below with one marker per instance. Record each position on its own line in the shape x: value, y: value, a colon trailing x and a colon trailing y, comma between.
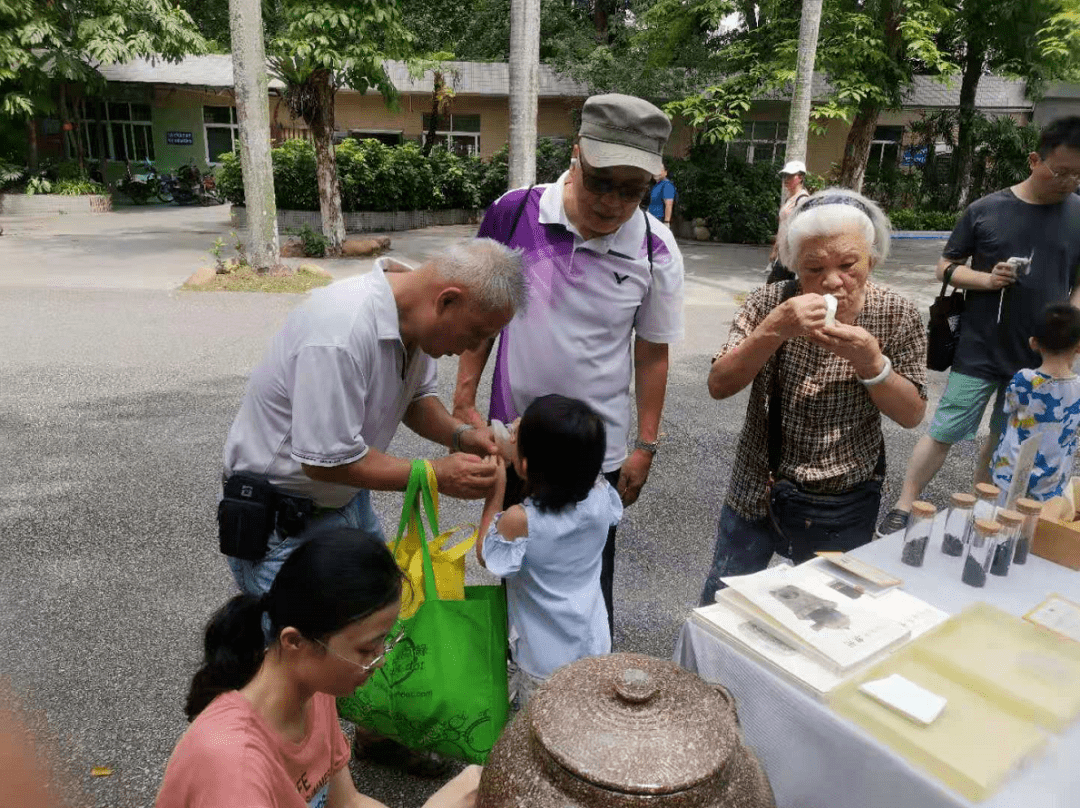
x: 549, y: 547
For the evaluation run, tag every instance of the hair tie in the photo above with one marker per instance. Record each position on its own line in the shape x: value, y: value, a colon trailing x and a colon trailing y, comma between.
x: 835, y: 199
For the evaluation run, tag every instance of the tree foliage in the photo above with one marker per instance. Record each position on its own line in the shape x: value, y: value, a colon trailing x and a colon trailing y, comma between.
x: 43, y: 43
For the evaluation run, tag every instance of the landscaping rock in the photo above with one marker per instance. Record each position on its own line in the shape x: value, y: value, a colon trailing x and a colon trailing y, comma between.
x: 701, y: 233
x: 363, y: 247
x: 292, y: 248
x: 314, y: 269
x: 201, y: 276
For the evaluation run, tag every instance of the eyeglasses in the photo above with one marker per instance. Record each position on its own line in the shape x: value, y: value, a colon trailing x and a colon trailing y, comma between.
x: 602, y: 186
x: 1071, y: 176
x: 388, y: 646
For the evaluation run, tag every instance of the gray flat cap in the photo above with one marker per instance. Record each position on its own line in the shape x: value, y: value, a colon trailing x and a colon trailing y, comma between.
x: 621, y: 130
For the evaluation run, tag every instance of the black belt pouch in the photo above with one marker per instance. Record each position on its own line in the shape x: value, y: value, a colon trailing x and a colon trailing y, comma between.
x: 246, y: 516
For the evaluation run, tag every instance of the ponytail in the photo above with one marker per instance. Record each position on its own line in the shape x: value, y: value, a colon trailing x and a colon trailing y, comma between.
x: 337, y: 576
x: 233, y: 650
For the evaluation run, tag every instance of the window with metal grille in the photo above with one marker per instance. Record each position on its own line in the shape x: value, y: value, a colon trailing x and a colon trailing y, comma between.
x: 459, y: 133
x: 760, y: 141
x: 127, y: 134
x: 222, y: 132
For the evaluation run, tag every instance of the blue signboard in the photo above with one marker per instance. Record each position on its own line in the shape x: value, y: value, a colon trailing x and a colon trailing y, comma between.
x: 179, y: 139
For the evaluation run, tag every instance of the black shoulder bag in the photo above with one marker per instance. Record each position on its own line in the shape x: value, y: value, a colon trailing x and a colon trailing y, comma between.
x: 805, y: 522
x: 943, y: 330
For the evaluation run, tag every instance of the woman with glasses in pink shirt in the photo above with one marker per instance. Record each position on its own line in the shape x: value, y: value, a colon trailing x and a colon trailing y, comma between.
x: 264, y: 729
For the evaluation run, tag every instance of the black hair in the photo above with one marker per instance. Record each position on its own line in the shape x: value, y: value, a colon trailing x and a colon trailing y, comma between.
x: 1061, y: 132
x: 564, y: 442
x: 337, y: 576
x: 1059, y: 330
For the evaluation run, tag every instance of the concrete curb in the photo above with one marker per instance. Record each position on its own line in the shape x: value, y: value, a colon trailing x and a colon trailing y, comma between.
x: 38, y: 204
x: 290, y: 221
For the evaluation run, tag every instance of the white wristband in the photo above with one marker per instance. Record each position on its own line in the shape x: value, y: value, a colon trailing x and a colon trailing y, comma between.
x: 885, y: 371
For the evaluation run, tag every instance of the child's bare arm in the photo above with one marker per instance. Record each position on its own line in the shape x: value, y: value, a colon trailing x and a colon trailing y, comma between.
x: 491, y: 505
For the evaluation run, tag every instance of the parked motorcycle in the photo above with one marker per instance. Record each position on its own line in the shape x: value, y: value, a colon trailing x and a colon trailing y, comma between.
x: 192, y: 187
x: 145, y: 186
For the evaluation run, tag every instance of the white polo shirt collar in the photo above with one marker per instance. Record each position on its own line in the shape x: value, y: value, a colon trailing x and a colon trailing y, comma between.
x: 387, y: 324
x: 625, y: 241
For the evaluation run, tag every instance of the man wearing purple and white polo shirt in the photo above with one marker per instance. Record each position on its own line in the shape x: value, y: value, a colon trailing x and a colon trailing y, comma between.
x: 605, y: 293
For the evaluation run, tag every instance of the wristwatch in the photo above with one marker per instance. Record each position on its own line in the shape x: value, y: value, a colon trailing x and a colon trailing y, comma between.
x: 455, y: 440
x: 645, y: 446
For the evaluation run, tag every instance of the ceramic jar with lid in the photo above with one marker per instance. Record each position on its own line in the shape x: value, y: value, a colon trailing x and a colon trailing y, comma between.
x: 625, y: 730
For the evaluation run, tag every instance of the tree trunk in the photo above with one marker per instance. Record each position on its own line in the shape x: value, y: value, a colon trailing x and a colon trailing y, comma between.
x: 524, y: 83
x: 960, y: 171
x: 601, y: 12
x: 322, y: 131
x: 857, y: 147
x: 437, y: 83
x: 253, y: 115
x: 103, y: 146
x: 32, y: 144
x: 65, y: 120
x: 799, y: 116
x: 749, y: 10
x: 79, y: 108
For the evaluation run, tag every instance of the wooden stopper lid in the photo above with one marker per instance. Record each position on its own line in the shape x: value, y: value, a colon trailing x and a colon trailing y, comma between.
x: 1028, y: 507
x: 1009, y: 518
x: 987, y: 527
x: 963, y: 500
x: 923, y: 509
x: 987, y: 491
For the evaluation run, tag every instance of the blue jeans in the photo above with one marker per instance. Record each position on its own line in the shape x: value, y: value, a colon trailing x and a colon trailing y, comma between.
x: 255, y: 577
x: 743, y: 546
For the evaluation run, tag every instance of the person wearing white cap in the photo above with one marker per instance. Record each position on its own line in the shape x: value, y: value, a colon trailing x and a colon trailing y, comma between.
x: 792, y: 175
x: 605, y: 294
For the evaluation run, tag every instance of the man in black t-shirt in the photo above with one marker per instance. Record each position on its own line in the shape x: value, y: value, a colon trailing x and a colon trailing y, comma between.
x: 1024, y: 246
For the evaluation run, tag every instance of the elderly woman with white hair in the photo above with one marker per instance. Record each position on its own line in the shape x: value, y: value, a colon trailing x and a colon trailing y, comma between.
x: 826, y: 354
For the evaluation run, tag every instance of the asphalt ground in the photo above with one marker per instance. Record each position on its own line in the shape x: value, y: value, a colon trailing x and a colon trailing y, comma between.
x: 116, y: 392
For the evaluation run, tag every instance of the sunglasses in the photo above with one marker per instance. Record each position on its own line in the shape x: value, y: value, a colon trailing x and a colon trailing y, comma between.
x: 388, y: 646
x: 602, y: 186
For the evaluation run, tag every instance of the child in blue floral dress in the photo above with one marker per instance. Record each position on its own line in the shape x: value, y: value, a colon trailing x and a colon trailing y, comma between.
x: 1044, y: 402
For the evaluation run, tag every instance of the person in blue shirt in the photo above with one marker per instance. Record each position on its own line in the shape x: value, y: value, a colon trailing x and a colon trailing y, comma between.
x: 662, y: 199
x: 549, y: 547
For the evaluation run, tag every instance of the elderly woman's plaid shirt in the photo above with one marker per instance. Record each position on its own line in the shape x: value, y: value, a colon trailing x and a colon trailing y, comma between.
x: 831, y: 429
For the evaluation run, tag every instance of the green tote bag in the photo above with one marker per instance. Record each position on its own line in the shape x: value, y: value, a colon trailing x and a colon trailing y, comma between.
x: 443, y: 688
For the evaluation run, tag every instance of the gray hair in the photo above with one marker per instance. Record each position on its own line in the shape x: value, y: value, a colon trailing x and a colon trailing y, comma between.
x: 491, y: 271
x: 829, y: 213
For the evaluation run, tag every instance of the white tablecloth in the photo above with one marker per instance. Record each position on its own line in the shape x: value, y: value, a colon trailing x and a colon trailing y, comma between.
x: 816, y: 759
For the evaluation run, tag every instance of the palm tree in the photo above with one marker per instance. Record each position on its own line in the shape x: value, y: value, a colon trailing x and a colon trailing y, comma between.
x: 799, y: 117
x: 524, y: 84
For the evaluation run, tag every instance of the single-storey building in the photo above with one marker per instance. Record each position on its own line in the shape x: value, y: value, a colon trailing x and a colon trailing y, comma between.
x: 185, y: 112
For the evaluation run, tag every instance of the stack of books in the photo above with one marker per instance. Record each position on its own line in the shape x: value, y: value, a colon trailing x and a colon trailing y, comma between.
x: 813, y: 628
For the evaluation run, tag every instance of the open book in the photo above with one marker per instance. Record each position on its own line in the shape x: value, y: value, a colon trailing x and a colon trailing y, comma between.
x: 798, y: 606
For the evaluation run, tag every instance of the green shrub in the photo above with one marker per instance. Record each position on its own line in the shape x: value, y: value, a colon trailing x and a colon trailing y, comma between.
x: 738, y: 201
x: 229, y: 178
x: 77, y: 187
x: 295, y: 185
x: 315, y: 244
x: 376, y: 177
x: 914, y: 219
x: 456, y: 178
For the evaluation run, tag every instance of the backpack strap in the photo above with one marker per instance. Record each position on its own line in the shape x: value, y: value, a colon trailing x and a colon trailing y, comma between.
x: 648, y: 239
x: 517, y: 213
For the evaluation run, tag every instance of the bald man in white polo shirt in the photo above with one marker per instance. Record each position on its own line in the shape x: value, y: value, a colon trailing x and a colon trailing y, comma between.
x: 605, y: 293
